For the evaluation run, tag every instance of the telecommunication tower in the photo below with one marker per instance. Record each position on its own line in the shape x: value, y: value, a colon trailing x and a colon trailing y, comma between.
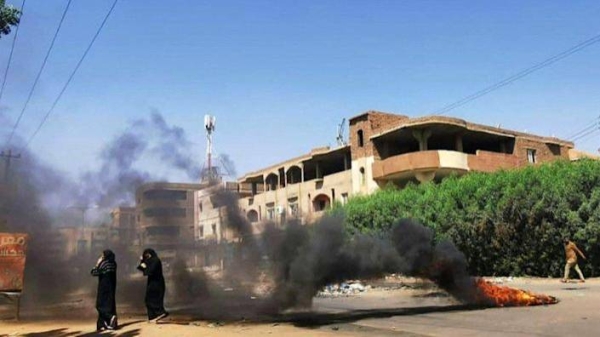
x: 210, y: 173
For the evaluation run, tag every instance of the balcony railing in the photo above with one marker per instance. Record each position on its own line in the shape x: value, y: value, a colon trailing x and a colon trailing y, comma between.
x: 406, y: 165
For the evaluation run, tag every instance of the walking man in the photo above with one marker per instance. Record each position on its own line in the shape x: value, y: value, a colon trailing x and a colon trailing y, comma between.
x: 571, y: 252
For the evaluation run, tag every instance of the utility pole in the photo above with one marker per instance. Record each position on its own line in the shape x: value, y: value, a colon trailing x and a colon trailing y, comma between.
x: 4, y: 187
x: 7, y: 158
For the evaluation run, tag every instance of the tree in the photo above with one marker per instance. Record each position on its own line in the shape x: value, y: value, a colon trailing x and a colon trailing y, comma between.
x: 9, y: 16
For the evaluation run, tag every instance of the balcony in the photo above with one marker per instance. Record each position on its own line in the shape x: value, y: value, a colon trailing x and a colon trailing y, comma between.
x: 426, y: 165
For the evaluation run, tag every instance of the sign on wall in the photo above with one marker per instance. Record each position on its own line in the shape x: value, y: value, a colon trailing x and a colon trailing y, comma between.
x: 13, y: 247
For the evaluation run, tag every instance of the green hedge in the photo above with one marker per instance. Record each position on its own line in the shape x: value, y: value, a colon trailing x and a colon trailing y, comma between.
x: 506, y: 223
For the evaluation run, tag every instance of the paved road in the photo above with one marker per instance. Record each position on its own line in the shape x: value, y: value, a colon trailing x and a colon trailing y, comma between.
x: 577, y: 314
x: 414, y: 312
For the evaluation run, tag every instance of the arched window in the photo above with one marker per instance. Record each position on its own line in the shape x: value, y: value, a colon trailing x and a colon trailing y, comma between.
x: 294, y: 175
x: 272, y: 181
x: 361, y: 141
x: 252, y: 216
x: 321, y: 202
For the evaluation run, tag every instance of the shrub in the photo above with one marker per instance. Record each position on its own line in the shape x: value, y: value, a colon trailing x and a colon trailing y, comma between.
x: 506, y: 223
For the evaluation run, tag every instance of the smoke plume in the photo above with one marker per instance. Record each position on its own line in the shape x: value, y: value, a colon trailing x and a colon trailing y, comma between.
x: 123, y: 160
x: 36, y: 199
x: 302, y: 259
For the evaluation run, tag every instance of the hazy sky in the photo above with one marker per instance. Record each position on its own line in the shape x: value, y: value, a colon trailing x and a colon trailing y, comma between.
x: 280, y: 75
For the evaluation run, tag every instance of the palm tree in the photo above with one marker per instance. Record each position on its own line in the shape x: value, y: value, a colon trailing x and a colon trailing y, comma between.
x: 9, y: 16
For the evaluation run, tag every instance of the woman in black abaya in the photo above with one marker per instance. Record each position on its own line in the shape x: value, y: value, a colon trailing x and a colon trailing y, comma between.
x: 106, y: 271
x: 155, y: 290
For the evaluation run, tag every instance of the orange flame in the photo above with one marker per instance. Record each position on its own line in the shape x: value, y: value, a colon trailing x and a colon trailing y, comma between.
x: 510, y: 297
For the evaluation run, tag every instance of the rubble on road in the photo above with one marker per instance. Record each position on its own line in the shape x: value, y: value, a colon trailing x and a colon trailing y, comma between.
x: 500, y: 280
x: 388, y: 283
x: 343, y: 289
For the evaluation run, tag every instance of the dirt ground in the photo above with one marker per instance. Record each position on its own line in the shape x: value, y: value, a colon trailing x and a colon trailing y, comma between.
x: 412, y: 309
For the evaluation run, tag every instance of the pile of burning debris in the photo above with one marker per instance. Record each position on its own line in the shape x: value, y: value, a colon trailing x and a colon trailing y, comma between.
x: 500, y: 296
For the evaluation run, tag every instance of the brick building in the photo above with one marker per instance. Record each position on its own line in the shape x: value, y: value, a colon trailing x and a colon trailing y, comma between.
x: 387, y: 149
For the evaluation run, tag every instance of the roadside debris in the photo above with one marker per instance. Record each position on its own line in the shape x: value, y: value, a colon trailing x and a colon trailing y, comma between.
x: 343, y: 289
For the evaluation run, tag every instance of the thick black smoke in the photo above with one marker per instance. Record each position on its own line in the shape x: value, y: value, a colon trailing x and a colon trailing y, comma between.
x: 22, y: 210
x: 302, y: 259
x: 306, y: 259
x: 228, y: 166
x: 36, y: 199
x: 123, y: 167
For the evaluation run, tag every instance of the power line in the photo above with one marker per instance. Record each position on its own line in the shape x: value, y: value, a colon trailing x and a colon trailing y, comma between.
x: 590, y: 135
x: 518, y: 75
x: 37, y: 78
x: 594, y: 123
x: 12, y: 48
x: 72, y: 74
x: 586, y: 134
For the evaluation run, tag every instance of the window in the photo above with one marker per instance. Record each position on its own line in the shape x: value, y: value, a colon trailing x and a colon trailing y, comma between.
x: 362, y: 176
x: 294, y: 209
x: 271, y: 213
x: 321, y: 203
x: 200, y: 207
x: 361, y: 142
x: 165, y: 195
x: 252, y: 216
x: 201, y: 231
x: 214, y: 229
x: 531, y: 156
x: 344, y: 198
x: 165, y: 212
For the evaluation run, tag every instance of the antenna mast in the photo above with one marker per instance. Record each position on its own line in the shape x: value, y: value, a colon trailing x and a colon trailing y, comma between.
x: 340, y: 136
x: 209, y: 125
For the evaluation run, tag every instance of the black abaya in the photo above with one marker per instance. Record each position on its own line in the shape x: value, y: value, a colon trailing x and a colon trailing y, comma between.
x: 106, y: 272
x: 155, y: 289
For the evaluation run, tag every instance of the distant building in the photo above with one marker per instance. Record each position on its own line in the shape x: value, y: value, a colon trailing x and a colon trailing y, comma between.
x: 123, y: 227
x: 212, y: 218
x: 78, y: 241
x: 165, y: 216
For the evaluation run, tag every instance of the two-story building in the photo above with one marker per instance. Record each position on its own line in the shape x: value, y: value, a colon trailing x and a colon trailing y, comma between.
x: 388, y: 149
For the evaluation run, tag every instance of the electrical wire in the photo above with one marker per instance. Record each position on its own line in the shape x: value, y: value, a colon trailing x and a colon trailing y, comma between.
x: 518, y: 75
x: 12, y: 48
x: 592, y: 125
x: 585, y: 135
x: 37, y: 78
x: 72, y: 75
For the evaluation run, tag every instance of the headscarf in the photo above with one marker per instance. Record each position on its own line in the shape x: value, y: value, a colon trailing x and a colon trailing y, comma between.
x: 109, y: 255
x: 150, y: 252
x: 107, y: 265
